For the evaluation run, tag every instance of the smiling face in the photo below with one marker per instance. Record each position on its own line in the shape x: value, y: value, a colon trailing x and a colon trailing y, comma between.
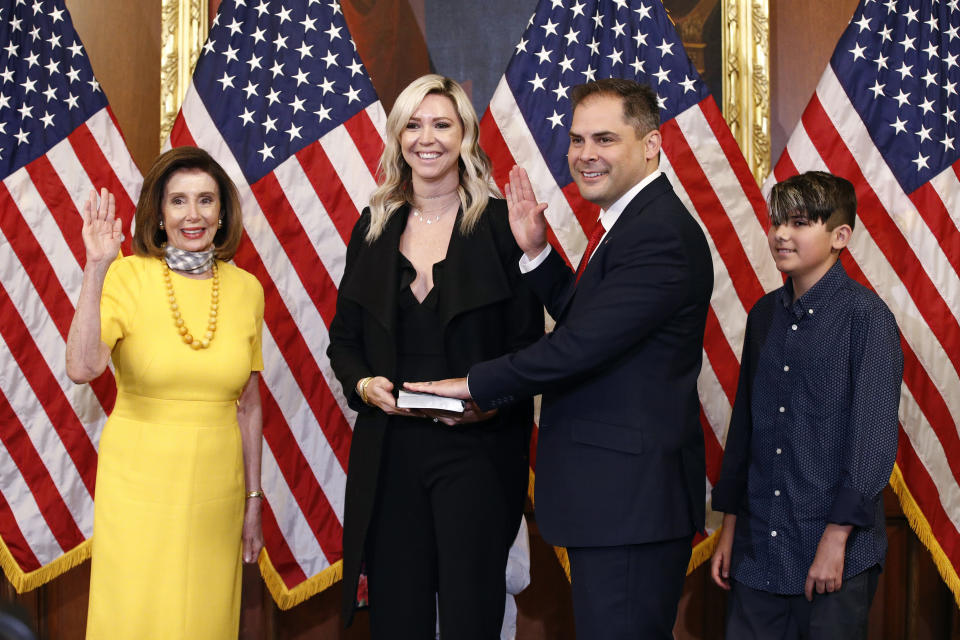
x: 805, y: 250
x: 606, y: 157
x: 191, y: 209
x: 430, y: 142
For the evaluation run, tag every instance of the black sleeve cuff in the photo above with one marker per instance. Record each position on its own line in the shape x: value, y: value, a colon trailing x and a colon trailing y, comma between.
x: 852, y: 507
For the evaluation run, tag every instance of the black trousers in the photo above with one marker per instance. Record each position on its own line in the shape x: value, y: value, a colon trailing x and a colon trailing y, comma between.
x: 449, y: 501
x: 629, y: 592
x: 841, y: 615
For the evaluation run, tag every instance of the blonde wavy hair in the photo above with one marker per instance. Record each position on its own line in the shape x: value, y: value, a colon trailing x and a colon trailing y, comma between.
x: 395, y: 181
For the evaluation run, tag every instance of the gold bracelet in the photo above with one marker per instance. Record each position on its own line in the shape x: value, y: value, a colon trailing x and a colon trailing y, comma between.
x: 254, y: 494
x: 363, y: 388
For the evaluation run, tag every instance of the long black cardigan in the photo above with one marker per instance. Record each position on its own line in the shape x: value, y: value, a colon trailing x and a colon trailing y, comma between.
x: 486, y: 312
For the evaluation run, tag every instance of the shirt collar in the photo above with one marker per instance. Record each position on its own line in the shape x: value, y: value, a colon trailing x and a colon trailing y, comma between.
x: 818, y: 295
x: 609, y: 216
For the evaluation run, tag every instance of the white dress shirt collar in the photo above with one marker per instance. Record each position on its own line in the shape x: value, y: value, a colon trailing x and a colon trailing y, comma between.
x: 609, y: 216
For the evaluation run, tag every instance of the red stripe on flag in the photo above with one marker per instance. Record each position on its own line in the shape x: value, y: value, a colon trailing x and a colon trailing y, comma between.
x: 366, y: 138
x: 337, y: 202
x: 295, y: 242
x: 34, y: 472
x: 180, y: 133
x: 586, y: 213
x: 785, y: 167
x: 735, y: 158
x: 12, y: 536
x: 921, y: 386
x: 300, y: 478
x: 884, y: 232
x: 492, y: 142
x: 46, y: 283
x: 29, y: 252
x: 101, y: 174
x: 297, y: 355
x: 935, y: 214
x: 49, y: 394
x: 59, y: 204
x: 280, y: 555
x: 711, y: 213
x: 720, y: 353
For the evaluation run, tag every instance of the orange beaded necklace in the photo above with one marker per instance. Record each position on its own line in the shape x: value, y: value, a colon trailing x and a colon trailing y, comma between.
x: 195, y: 344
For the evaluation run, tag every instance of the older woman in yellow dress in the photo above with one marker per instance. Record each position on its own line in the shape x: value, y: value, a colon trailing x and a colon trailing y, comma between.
x: 178, y: 497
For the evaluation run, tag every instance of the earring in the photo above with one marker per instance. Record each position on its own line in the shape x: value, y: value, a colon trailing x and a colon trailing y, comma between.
x: 220, y: 223
x: 161, y: 224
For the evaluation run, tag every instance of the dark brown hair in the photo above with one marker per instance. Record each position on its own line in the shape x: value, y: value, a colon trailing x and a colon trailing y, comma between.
x: 640, y: 105
x: 817, y: 196
x: 148, y: 237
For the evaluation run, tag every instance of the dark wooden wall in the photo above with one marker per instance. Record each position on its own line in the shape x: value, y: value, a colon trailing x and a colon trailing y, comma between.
x: 912, y: 602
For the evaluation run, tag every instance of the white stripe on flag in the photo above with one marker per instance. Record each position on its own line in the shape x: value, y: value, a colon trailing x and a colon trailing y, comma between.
x: 316, y: 223
x: 350, y: 166
x: 26, y: 511
x: 305, y: 430
x: 47, y: 232
x: 931, y: 454
x: 296, y: 531
x: 730, y: 196
x: 48, y: 445
x: 111, y: 143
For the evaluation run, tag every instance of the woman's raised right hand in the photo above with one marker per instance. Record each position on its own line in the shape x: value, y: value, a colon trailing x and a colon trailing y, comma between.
x: 102, y: 230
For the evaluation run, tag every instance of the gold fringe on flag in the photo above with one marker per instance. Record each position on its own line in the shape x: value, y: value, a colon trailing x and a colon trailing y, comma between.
x: 289, y: 598
x: 920, y: 525
x: 28, y: 581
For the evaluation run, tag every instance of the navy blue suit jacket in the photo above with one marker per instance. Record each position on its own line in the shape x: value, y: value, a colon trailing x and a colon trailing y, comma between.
x: 620, y: 457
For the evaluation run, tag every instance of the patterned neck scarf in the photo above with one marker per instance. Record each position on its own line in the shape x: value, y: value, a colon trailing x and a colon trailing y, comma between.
x: 189, y: 261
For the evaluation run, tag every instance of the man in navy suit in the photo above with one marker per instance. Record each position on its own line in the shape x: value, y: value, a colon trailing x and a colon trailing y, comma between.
x: 620, y: 459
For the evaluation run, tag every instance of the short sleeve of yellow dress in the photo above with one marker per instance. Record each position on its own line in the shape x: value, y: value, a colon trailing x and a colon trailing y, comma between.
x: 168, y: 508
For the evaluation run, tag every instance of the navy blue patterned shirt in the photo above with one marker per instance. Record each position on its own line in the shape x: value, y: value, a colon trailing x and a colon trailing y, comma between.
x: 813, y: 435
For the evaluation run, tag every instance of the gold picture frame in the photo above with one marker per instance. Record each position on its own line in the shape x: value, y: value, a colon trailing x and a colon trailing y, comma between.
x: 184, y: 25
x: 746, y: 79
x: 746, y: 69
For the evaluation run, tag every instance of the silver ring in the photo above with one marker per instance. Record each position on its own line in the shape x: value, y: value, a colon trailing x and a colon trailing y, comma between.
x: 436, y: 419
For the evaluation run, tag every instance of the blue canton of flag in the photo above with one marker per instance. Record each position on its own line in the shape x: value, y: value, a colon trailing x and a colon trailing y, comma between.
x: 275, y: 80
x: 47, y: 88
x: 897, y: 62
x: 569, y: 44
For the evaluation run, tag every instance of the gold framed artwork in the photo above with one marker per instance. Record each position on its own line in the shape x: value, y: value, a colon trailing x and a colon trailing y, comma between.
x: 746, y: 79
x: 744, y: 51
x: 184, y: 25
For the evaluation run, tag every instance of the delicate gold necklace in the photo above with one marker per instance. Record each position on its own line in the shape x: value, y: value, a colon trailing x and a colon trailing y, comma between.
x: 195, y: 344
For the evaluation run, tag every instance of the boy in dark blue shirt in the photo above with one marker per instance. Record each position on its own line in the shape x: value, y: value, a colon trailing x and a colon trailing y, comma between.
x: 813, y: 434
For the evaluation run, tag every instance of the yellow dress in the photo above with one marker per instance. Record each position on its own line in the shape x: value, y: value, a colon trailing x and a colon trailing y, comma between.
x: 168, y: 508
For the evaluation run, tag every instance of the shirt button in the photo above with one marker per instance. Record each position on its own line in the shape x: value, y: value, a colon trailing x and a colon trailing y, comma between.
x: 786, y: 367
x: 810, y: 311
x: 776, y: 492
x: 779, y: 450
x: 782, y: 409
x: 794, y: 327
x: 773, y: 534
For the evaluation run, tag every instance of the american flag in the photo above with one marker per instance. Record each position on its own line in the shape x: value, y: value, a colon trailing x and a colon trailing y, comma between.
x: 58, y: 139
x: 569, y: 43
x: 884, y: 115
x: 281, y: 99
